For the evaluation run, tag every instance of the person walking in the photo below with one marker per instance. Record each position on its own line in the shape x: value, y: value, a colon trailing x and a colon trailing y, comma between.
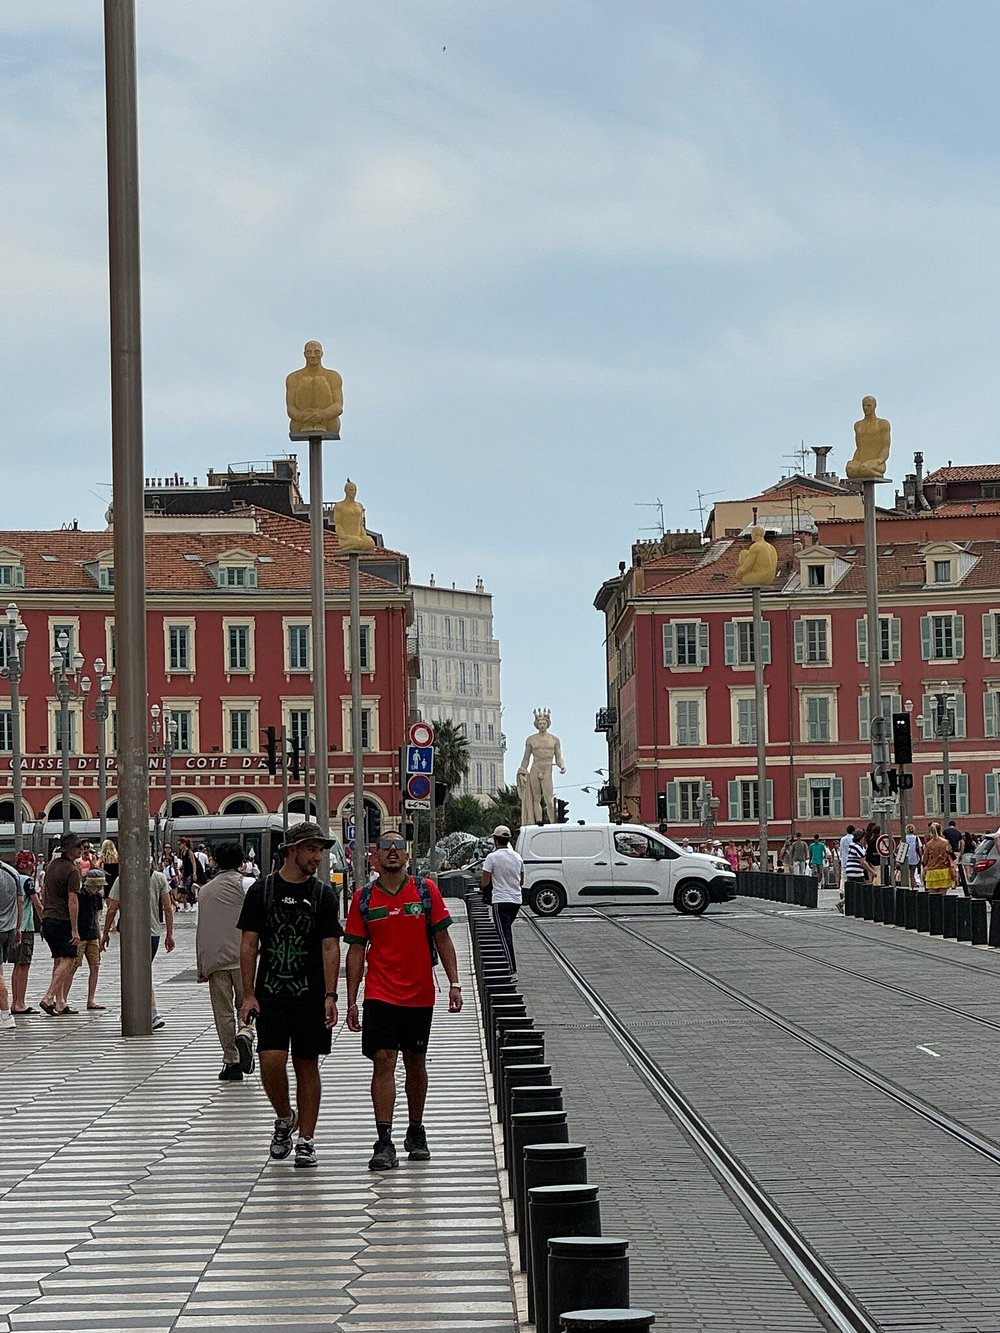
x: 31, y: 925
x: 914, y: 849
x: 217, y: 953
x: 91, y: 902
x: 161, y: 920
x: 11, y: 909
x: 856, y: 867
x: 966, y: 862
x: 109, y: 863
x: 843, y: 848
x: 953, y: 837
x: 396, y: 929
x: 503, y: 879
x: 60, y: 930
x: 289, y: 965
x: 938, y: 861
x: 817, y: 857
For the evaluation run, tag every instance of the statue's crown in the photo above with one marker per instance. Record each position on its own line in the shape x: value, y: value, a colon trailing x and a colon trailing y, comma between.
x: 542, y: 715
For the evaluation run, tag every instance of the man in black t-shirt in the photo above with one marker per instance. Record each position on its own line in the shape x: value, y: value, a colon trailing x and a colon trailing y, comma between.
x: 289, y: 963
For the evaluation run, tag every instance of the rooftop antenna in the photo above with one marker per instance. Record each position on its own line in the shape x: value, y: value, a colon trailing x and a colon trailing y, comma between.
x: 652, y: 504
x: 702, y: 497
x: 798, y: 458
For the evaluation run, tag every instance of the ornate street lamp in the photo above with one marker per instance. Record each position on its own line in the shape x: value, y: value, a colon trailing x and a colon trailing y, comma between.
x: 165, y: 741
x: 15, y: 637
x: 102, y: 706
x: 64, y: 676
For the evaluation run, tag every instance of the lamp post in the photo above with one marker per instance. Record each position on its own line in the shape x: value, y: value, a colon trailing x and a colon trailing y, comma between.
x: 65, y: 670
x: 164, y: 740
x: 944, y: 729
x: 102, y: 706
x: 708, y: 808
x: 15, y: 638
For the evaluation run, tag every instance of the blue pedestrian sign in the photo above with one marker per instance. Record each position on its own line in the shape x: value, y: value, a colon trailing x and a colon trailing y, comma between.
x: 420, y: 759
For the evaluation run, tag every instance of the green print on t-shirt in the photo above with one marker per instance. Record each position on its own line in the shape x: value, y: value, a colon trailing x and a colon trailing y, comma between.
x: 286, y: 956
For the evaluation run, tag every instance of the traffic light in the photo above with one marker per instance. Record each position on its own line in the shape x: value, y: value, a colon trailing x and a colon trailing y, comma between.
x: 294, y: 757
x: 661, y: 806
x: 271, y: 749
x: 902, y: 740
x: 562, y: 811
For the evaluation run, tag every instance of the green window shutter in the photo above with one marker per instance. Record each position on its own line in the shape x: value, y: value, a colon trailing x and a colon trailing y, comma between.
x: 730, y: 642
x: 251, y: 577
x: 668, y: 645
x: 703, y: 644
x: 837, y: 798
x: 958, y: 623
x: 673, y: 804
x: 991, y: 794
x: 864, y: 719
x: 931, y: 795
x: 928, y: 709
x: 926, y: 640
x: 895, y: 638
x: 962, y: 793
x: 803, y: 797
x: 989, y: 634
x: 734, y: 799
x: 865, y: 797
x: 800, y: 640
x: 895, y: 706
x: 18, y: 576
x: 765, y: 641
x: 769, y: 785
x: 990, y: 713
x: 863, y: 639
x: 958, y: 707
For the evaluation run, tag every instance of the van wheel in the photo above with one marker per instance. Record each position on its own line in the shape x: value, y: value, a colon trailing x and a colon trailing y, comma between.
x: 691, y: 897
x: 547, y: 900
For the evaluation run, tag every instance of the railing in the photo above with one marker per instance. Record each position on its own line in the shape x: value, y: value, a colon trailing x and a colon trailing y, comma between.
x: 607, y: 795
x: 607, y: 719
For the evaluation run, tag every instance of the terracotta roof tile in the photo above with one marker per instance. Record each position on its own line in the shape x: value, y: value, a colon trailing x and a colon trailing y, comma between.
x: 976, y: 472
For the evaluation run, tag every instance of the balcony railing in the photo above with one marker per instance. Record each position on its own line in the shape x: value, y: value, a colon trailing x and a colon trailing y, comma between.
x: 607, y: 719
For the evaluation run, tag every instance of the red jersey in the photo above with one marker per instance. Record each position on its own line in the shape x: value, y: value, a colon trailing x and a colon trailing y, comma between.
x: 399, y: 956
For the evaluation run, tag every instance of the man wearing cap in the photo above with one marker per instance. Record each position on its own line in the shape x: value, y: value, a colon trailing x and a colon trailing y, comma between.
x: 289, y: 965
x: 392, y: 926
x: 503, y: 879
x: 60, y: 925
x: 161, y: 918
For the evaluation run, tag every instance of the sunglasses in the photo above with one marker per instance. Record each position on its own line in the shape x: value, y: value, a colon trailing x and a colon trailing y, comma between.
x: 391, y: 845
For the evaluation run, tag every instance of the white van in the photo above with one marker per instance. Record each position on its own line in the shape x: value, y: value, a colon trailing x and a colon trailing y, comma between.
x: 580, y: 863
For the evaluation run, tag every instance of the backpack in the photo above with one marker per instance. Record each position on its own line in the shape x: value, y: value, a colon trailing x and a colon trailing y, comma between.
x: 269, y: 903
x: 425, y: 902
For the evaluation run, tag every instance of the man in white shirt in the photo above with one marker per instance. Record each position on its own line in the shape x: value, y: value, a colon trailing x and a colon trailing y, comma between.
x: 845, y: 844
x: 503, y: 878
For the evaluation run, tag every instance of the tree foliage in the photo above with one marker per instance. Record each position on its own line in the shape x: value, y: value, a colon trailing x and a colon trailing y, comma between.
x: 504, y: 808
x: 464, y: 814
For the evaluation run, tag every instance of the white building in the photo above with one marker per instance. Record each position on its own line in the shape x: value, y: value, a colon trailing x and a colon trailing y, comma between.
x: 460, y: 675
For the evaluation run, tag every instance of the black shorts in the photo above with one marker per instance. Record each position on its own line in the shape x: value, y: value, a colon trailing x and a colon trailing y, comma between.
x: 394, y: 1027
x: 56, y: 935
x: 300, y: 1024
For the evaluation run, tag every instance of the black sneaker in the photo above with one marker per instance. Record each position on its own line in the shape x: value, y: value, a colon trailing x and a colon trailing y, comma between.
x: 244, y: 1044
x: 305, y: 1153
x: 281, y: 1139
x: 415, y: 1144
x: 231, y: 1074
x: 384, y: 1157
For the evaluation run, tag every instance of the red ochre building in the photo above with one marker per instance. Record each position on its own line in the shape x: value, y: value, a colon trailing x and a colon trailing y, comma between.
x: 229, y: 652
x: 680, y: 668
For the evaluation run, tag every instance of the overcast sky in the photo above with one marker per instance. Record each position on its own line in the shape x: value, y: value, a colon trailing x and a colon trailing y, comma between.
x: 570, y: 258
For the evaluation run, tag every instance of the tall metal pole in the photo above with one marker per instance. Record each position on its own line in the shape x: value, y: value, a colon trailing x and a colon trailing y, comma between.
x: 944, y: 721
x: 760, y: 726
x: 62, y: 687
x: 305, y: 773
x: 320, y: 737
x: 876, y: 722
x: 102, y: 762
x: 168, y: 754
x: 284, y: 783
x: 127, y: 503
x: 16, y: 635
x: 357, y: 753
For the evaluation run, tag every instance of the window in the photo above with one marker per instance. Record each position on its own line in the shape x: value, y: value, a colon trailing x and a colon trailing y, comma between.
x: 743, y: 806
x: 746, y: 722
x: 816, y: 718
x: 435, y: 676
x: 889, y: 639
x: 942, y: 571
x: 992, y: 797
x: 70, y: 632
x: 685, y: 643
x: 183, y: 734
x: 239, y: 730
x: 111, y: 642
x: 635, y: 846
x: 300, y: 725
x: 299, y: 644
x: 991, y: 634
x: 477, y: 731
x: 820, y: 798
x: 6, y: 730
x: 462, y: 681
x: 237, y: 576
x: 179, y: 655
x: 942, y: 638
x: 812, y: 640
x: 739, y: 648
x: 238, y: 648
x: 477, y: 680
x: 479, y: 777
x: 490, y: 732
x: 369, y: 724
x: 687, y: 721
x: 816, y: 576
x: 11, y: 576
x: 5, y: 646
x: 891, y: 703
x: 934, y: 721
x: 106, y: 576
x: 367, y: 644
x: 934, y: 794
x: 682, y: 802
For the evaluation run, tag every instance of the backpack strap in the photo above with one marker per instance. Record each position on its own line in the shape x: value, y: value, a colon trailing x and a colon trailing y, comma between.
x: 365, y: 903
x: 425, y: 902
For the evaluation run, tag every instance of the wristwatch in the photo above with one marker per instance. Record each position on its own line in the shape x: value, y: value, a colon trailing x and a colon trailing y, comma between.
x: 454, y: 986
x: 332, y: 995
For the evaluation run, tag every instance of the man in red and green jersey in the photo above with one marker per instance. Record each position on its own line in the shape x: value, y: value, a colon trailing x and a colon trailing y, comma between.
x: 394, y: 925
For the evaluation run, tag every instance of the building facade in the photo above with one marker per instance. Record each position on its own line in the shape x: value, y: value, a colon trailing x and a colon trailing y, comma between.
x: 460, y: 676
x: 680, y: 648
x: 229, y: 652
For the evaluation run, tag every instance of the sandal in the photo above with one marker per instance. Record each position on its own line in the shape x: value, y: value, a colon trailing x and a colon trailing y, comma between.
x: 97, y: 1006
x: 21, y: 1012
x: 48, y: 1007
x: 67, y: 1010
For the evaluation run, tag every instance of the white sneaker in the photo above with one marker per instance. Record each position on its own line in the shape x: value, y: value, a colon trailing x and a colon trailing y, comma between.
x: 7, y: 1024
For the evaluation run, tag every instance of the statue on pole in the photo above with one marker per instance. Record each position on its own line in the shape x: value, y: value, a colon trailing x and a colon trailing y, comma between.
x: 534, y: 777
x: 871, y: 445
x: 314, y: 398
x: 758, y: 563
x: 349, y: 521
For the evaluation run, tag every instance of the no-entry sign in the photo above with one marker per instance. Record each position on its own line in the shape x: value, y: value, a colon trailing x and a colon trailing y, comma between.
x: 421, y: 734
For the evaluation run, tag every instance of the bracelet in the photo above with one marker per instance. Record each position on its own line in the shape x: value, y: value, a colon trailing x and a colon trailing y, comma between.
x: 332, y: 995
x: 454, y: 986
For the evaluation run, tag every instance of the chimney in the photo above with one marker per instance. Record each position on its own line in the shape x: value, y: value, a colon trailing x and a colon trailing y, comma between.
x: 821, y: 451
x: 920, y: 499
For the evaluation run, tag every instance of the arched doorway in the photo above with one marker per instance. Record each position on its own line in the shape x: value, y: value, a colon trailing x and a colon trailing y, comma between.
x: 297, y: 806
x: 241, y: 805
x: 7, y: 812
x: 112, y: 809
x: 76, y: 811
x: 181, y: 806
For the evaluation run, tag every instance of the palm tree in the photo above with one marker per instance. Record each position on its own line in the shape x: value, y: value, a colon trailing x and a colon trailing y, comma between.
x: 451, y: 759
x: 505, y: 808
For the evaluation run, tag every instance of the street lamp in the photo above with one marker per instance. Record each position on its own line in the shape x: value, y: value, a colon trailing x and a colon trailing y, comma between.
x: 65, y: 670
x: 944, y: 729
x: 708, y: 808
x: 102, y: 706
x: 167, y: 749
x: 15, y: 637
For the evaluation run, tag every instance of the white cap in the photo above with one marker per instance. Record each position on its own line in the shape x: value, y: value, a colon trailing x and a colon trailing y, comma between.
x: 501, y: 831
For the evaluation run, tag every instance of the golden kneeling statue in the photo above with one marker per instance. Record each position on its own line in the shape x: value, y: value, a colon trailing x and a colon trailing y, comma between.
x: 349, y: 520
x: 871, y: 444
x: 758, y: 564
x: 314, y: 397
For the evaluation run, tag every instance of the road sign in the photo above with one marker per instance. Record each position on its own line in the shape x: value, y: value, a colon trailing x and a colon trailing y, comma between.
x: 883, y: 845
x: 419, y: 759
x: 885, y: 805
x: 422, y: 734
x: 418, y: 787
x: 417, y: 805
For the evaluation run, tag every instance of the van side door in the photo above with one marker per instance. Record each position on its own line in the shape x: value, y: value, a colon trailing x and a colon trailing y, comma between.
x: 640, y: 866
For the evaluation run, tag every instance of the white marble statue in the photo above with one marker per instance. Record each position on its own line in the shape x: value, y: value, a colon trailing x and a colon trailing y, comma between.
x: 534, y: 777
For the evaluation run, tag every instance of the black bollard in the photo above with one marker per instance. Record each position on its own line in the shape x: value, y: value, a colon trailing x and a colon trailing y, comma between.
x: 922, y: 910
x: 899, y: 907
x: 994, y: 936
x: 506, y: 1016
x: 535, y: 1055
x: 888, y: 904
x: 529, y: 1127
x: 851, y: 897
x: 910, y: 909
x: 977, y: 920
x: 620, y: 1321
x: 584, y: 1272
x: 868, y: 902
x: 515, y: 1055
x: 555, y: 1210
x: 520, y: 1097
x: 949, y: 917
x: 934, y: 913
x: 876, y: 903
x: 550, y: 1164
x: 965, y: 919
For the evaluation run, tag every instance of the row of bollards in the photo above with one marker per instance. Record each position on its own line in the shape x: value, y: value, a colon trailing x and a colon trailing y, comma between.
x: 941, y: 914
x: 576, y: 1277
x: 799, y: 890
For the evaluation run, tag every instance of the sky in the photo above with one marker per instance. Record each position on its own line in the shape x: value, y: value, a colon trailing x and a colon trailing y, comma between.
x: 572, y: 258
